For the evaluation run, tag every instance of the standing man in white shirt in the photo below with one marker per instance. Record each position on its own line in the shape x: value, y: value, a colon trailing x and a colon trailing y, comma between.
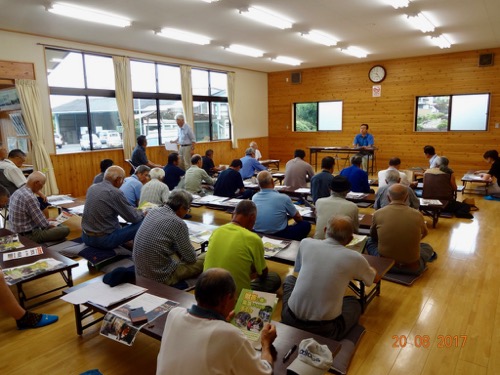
x: 186, y: 141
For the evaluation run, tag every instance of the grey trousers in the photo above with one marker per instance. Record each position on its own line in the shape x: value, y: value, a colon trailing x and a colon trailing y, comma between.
x: 335, y: 329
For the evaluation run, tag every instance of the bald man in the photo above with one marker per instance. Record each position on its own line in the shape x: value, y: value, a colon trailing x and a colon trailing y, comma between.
x: 314, y: 301
x: 396, y: 232
x: 26, y: 217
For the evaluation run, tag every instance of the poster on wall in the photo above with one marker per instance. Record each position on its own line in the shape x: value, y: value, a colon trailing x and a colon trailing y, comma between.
x: 376, y: 91
x: 9, y: 99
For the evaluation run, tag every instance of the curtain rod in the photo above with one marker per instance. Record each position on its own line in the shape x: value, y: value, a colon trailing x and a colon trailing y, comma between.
x: 130, y: 57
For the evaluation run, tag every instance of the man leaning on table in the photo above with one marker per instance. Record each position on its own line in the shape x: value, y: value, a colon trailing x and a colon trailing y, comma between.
x: 200, y: 340
x: 26, y: 217
x: 314, y: 301
x: 103, y: 204
x: 237, y: 249
x: 250, y: 165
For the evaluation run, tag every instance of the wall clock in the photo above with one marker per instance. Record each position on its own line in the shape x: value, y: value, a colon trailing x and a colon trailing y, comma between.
x: 377, y: 74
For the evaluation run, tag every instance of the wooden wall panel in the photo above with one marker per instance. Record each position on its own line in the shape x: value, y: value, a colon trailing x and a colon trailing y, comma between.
x: 391, y: 117
x: 16, y: 70
x: 75, y: 172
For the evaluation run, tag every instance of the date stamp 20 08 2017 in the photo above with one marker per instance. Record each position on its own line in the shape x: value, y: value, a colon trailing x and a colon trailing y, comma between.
x: 424, y: 341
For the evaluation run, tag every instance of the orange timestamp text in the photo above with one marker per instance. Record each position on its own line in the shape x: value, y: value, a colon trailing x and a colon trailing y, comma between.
x: 424, y: 341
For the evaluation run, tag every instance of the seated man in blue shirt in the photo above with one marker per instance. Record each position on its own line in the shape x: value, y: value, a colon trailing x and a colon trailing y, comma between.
x: 250, y: 164
x: 356, y: 176
x: 133, y: 185
x: 365, y: 141
x: 273, y: 209
x: 173, y: 172
x: 320, y: 182
x: 230, y: 183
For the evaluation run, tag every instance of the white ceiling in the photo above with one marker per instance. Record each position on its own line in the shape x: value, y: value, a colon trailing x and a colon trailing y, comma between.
x: 371, y: 25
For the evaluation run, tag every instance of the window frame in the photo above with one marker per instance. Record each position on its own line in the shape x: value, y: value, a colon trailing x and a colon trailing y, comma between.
x: 450, y: 113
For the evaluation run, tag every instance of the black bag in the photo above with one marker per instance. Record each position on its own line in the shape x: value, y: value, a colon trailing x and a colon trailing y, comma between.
x: 459, y: 209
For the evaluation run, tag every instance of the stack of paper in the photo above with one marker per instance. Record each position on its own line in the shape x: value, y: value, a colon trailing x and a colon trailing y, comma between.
x: 272, y: 246
x: 59, y: 199
x: 353, y: 195
x: 102, y: 294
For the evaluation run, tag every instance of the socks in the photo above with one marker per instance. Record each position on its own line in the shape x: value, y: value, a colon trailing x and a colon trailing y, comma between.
x: 29, y: 320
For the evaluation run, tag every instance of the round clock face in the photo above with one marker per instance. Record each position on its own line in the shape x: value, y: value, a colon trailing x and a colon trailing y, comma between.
x: 377, y: 73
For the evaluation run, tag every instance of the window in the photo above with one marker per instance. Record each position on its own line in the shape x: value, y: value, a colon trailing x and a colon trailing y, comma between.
x: 157, y: 99
x: 211, y: 111
x: 452, y: 113
x: 82, y: 99
x: 318, y: 116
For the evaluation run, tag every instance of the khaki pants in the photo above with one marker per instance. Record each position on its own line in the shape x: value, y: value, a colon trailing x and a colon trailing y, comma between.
x: 185, y: 157
x: 187, y: 271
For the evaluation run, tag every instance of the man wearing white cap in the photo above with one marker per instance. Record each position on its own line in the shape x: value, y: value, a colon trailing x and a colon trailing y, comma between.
x: 315, y: 300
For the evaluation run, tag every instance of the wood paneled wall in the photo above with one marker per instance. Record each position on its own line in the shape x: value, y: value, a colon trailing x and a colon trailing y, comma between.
x: 391, y: 116
x: 75, y: 172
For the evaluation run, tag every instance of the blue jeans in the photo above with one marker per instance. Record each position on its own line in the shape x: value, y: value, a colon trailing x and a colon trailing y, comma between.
x: 114, y: 239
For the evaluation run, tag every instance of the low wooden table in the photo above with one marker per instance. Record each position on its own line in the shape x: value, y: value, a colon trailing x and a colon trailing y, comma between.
x: 64, y: 271
x: 433, y: 210
x: 471, y: 178
x: 268, y: 162
x: 287, y: 335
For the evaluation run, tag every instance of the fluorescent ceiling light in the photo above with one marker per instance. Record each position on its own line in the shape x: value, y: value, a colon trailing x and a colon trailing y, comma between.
x: 210, y: 1
x: 355, y: 51
x: 421, y: 22
x: 88, y: 14
x: 287, y: 60
x: 264, y: 16
x: 440, y: 41
x: 184, y: 36
x: 320, y: 37
x: 399, y: 3
x: 242, y: 50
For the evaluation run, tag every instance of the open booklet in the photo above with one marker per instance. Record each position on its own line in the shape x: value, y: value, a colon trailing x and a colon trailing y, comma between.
x: 10, y: 242
x: 273, y: 246
x: 252, y: 311
x: 118, y: 323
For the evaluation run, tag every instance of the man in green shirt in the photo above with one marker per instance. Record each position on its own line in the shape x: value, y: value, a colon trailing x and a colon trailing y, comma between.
x: 237, y: 249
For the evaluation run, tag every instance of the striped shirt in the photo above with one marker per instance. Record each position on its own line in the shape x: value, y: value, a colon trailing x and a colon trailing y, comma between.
x: 155, y: 192
x: 103, y: 204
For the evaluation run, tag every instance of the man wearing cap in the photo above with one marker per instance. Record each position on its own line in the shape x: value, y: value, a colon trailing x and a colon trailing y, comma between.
x: 250, y: 164
x: 219, y: 347
x: 314, y: 301
x: 335, y: 204
x: 312, y: 359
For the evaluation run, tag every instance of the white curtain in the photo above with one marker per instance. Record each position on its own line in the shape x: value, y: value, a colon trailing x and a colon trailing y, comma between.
x: 125, y: 102
x: 31, y: 106
x: 187, y: 95
x: 231, y: 82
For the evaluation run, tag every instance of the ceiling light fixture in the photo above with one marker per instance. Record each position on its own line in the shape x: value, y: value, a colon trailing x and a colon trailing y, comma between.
x: 286, y: 60
x: 421, y: 22
x: 399, y: 3
x: 440, y: 41
x: 184, y: 36
x: 264, y: 16
x: 320, y: 37
x: 243, y: 50
x: 88, y: 14
x: 355, y: 51
x: 210, y: 1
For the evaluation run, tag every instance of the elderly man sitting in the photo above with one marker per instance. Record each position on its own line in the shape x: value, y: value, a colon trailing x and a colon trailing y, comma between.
x: 155, y: 191
x: 196, y: 177
x: 273, y: 209
x: 132, y: 185
x: 162, y: 249
x: 250, y: 165
x: 103, y: 204
x: 382, y: 197
x: 26, y: 217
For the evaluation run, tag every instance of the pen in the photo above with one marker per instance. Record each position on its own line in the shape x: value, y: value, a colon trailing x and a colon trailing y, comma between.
x: 289, y: 353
